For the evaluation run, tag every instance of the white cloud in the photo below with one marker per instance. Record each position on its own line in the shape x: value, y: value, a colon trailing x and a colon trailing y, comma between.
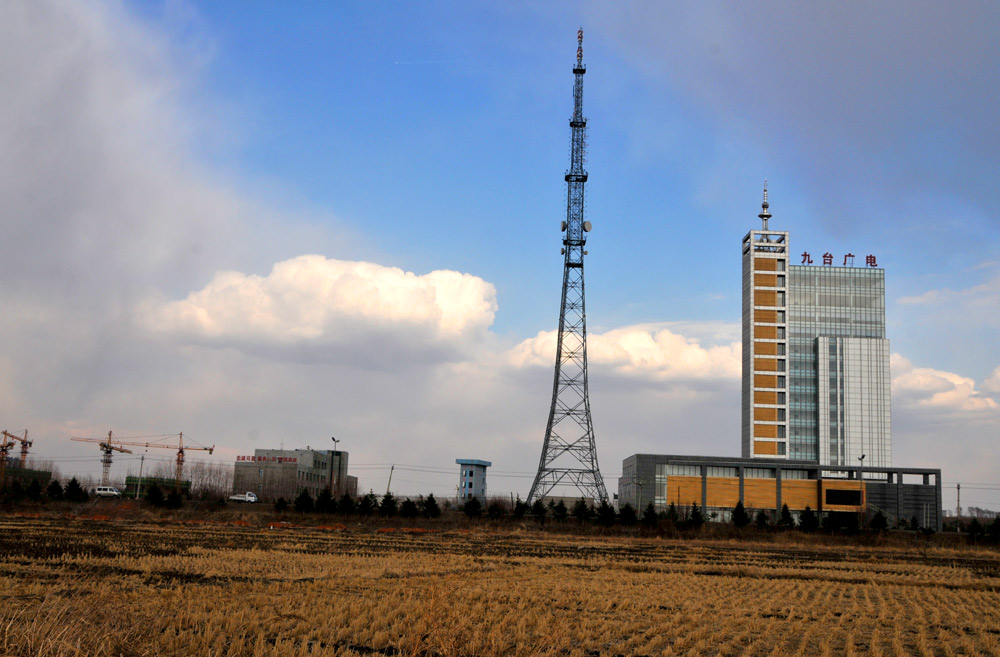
x: 315, y: 299
x: 650, y: 351
x: 945, y: 392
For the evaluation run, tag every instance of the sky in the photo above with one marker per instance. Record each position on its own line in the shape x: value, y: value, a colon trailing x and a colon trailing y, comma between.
x: 272, y: 224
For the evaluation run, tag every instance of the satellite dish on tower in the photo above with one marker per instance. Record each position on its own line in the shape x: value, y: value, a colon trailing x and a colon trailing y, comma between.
x: 586, y: 226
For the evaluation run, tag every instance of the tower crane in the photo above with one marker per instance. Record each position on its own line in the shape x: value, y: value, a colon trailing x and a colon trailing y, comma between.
x: 25, y: 444
x: 179, y: 446
x: 107, y: 446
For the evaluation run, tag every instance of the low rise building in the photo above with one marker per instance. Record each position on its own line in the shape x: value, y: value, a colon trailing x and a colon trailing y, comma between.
x: 284, y: 473
x: 716, y: 484
x: 472, y: 481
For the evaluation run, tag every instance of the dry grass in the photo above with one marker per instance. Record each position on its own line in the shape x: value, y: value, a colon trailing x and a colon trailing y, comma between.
x: 79, y: 587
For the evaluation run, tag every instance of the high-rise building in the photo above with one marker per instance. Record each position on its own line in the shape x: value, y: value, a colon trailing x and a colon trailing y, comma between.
x: 816, y: 382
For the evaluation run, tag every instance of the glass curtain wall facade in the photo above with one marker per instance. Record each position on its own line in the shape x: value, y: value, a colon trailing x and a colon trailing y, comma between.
x: 816, y: 380
x: 838, y: 366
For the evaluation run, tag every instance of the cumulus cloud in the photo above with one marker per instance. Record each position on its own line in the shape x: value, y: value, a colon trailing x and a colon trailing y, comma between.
x: 927, y: 388
x: 316, y: 299
x: 651, y: 351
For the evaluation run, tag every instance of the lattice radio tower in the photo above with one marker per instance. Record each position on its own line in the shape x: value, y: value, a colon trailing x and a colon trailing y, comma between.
x: 569, y: 456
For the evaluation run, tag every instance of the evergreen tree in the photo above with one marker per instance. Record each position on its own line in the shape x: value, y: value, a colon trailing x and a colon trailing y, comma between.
x: 761, y: 520
x: 281, y: 505
x: 538, y: 509
x: 34, y: 490
x: 345, y: 506
x: 581, y: 511
x: 559, y: 511
x: 304, y: 502
x: 671, y: 515
x: 696, y: 519
x: 650, y: 519
x: 16, y: 491
x: 808, y: 522
x: 879, y: 522
x: 54, y: 491
x: 627, y: 516
x: 993, y: 531
x: 787, y: 521
x: 408, y: 509
x: 975, y: 529
x: 431, y: 508
x: 914, y: 523
x: 74, y: 492
x: 325, y: 502
x: 520, y: 508
x: 153, y: 495
x: 740, y: 516
x: 495, y: 511
x: 473, y: 508
x: 388, y: 507
x: 368, y: 505
x: 606, y: 515
x: 174, y: 500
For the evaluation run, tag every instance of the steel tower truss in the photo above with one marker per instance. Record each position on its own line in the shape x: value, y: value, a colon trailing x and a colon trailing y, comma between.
x: 569, y: 455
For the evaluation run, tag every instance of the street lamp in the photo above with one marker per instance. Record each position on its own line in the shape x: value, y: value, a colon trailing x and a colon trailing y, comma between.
x: 861, y: 476
x: 336, y: 480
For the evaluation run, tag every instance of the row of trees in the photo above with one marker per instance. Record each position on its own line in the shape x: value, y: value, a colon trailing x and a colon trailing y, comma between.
x: 367, y: 505
x: 55, y: 492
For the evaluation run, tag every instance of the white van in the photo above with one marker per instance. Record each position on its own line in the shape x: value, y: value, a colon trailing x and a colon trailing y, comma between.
x: 107, y: 491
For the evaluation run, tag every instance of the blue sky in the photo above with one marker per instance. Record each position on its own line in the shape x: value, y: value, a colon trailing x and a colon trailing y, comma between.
x: 191, y: 139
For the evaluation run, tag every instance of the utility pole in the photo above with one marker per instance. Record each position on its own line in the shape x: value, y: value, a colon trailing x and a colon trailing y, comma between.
x: 390, y: 478
x: 958, y: 510
x: 569, y: 454
x: 138, y: 489
x: 864, y: 501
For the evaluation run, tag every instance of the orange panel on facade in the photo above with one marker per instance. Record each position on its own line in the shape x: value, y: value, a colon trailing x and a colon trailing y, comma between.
x: 683, y: 491
x: 766, y: 332
x: 764, y: 298
x: 766, y: 414
x: 722, y: 491
x: 765, y: 264
x: 760, y: 493
x: 800, y: 493
x: 765, y: 364
x: 765, y: 280
x: 765, y: 397
x: 765, y: 381
x: 765, y: 348
x: 765, y: 316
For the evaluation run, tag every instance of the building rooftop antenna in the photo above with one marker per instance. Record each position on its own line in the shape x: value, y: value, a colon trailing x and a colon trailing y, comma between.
x: 764, y: 214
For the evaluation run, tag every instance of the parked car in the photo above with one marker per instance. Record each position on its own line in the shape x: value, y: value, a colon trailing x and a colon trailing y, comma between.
x: 247, y: 497
x: 107, y: 491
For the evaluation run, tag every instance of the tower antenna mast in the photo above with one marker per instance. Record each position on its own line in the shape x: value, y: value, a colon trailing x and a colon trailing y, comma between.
x: 569, y: 455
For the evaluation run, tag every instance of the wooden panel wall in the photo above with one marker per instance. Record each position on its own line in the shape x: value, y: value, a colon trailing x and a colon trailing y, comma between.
x: 765, y: 364
x: 765, y: 280
x: 765, y: 431
x: 683, y: 491
x: 766, y: 397
x: 760, y: 493
x: 766, y: 332
x: 765, y: 264
x: 765, y: 348
x: 723, y: 491
x: 765, y: 381
x: 800, y: 493
x: 765, y: 446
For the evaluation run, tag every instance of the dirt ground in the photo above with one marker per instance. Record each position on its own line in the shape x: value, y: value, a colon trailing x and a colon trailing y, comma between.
x: 135, y: 585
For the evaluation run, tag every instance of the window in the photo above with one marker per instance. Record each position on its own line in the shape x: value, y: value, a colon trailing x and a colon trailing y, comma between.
x: 781, y: 398
x: 781, y: 382
x: 260, y: 473
x: 781, y: 281
x: 781, y: 446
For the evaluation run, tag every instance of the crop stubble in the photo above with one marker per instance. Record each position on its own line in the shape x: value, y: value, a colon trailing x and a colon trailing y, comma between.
x: 87, y: 587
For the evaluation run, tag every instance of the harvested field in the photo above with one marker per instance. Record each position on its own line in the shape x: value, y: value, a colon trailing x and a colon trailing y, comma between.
x: 116, y: 587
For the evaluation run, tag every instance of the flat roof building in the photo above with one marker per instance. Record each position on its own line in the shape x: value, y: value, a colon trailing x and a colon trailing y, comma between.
x: 472, y: 480
x: 716, y: 484
x: 816, y: 382
x: 274, y: 473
